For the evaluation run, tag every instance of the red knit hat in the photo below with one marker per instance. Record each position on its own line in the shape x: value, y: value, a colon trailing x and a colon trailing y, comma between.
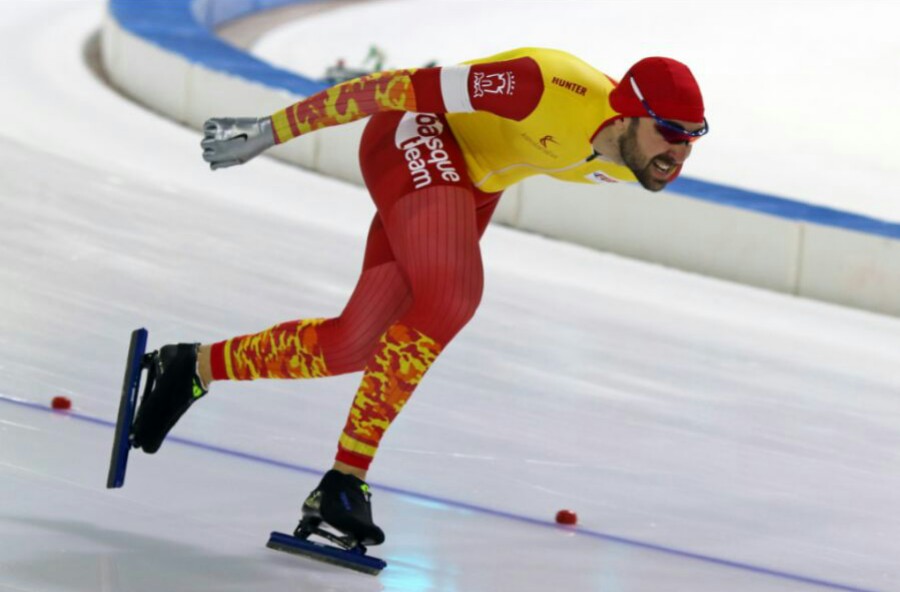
x: 668, y: 87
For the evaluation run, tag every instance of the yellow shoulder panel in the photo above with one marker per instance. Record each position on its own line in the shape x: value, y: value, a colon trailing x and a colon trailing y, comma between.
x: 555, y: 139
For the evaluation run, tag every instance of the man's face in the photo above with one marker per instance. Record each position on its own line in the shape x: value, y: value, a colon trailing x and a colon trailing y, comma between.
x: 652, y: 159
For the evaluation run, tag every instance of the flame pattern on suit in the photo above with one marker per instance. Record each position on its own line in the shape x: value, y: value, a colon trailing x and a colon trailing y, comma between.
x: 289, y: 350
x: 346, y: 102
x: 403, y: 357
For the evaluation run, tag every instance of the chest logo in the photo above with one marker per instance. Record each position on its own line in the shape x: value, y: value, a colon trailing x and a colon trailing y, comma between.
x: 547, y: 140
x: 543, y: 144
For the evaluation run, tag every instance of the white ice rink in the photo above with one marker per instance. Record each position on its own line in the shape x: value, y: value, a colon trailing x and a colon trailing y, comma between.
x: 711, y: 437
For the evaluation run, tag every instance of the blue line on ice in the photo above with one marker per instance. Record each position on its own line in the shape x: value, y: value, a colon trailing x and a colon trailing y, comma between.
x: 466, y: 506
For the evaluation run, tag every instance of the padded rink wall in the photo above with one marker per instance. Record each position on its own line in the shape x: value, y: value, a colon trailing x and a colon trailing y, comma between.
x: 166, y: 55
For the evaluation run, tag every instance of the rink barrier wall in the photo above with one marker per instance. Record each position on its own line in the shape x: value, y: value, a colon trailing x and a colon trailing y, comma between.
x: 166, y: 54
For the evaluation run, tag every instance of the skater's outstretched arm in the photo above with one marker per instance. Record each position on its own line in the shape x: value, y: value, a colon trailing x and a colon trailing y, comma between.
x: 509, y: 89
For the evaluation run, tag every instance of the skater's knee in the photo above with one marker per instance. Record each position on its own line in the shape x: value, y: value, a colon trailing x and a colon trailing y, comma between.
x: 354, y: 340
x: 461, y: 303
x: 443, y: 315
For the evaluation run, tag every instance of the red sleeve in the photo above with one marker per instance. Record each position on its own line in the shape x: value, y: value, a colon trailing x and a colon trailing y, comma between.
x: 510, y: 89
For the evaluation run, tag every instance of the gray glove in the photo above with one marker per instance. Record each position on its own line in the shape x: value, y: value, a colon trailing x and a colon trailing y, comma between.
x: 228, y: 141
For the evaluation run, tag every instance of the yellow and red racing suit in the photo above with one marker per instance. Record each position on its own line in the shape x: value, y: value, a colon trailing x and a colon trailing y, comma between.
x: 516, y: 114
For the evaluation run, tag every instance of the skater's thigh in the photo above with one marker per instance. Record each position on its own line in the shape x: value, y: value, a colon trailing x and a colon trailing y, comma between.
x: 378, y: 246
x: 382, y: 292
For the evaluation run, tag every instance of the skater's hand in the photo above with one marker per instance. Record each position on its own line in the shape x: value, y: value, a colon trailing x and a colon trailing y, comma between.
x: 228, y: 141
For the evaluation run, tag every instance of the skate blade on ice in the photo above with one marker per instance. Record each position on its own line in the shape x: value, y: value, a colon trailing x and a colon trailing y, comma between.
x: 355, y: 558
x: 134, y: 366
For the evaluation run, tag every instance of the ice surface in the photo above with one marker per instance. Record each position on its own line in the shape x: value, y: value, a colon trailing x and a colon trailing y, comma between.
x: 710, y: 436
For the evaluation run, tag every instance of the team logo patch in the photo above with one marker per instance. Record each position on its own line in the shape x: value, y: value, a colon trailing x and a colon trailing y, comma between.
x: 501, y: 83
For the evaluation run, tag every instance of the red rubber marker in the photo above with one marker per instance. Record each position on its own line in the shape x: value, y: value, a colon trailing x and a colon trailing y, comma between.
x: 567, y: 517
x: 61, y: 403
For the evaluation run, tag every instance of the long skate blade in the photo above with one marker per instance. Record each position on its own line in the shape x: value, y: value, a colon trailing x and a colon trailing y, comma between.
x: 118, y: 461
x: 354, y: 559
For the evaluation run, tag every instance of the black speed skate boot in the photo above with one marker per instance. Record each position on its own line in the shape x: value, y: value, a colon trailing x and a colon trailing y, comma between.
x: 342, y: 502
x: 174, y: 387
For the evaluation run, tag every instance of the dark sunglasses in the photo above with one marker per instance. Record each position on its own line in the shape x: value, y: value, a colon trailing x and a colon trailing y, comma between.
x: 669, y: 130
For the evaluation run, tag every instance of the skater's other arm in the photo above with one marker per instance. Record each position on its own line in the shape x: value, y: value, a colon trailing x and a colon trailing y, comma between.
x: 510, y: 89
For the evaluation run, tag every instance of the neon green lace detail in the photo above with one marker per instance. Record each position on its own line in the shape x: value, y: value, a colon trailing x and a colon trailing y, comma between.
x: 198, y: 390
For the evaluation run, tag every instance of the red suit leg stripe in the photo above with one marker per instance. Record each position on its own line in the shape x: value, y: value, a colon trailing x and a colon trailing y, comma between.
x: 217, y: 359
x: 359, y: 461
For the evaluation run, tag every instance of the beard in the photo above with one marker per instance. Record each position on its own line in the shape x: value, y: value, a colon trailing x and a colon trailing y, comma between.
x: 636, y: 161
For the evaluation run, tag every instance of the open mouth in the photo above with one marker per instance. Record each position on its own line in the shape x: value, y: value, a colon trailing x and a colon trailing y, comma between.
x: 662, y: 169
